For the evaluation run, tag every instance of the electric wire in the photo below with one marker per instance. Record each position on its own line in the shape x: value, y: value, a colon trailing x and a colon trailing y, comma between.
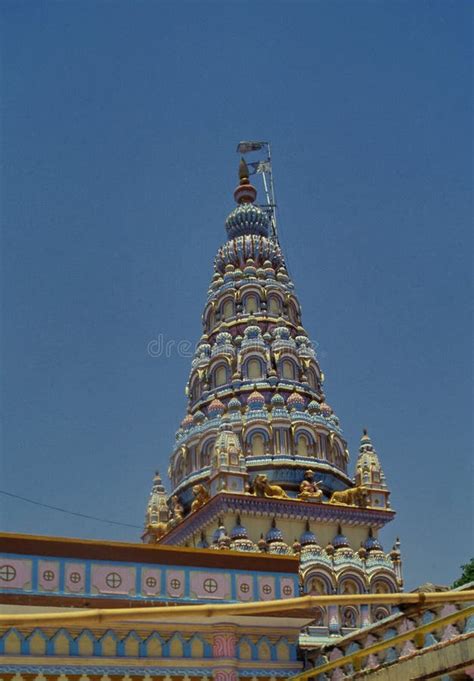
x: 64, y: 510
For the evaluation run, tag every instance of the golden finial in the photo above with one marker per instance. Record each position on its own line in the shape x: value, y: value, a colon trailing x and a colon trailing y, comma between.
x: 243, y: 171
x: 244, y: 193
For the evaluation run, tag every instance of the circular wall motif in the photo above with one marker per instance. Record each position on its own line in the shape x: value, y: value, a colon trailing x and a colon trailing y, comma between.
x: 75, y: 577
x: 113, y: 580
x: 7, y: 573
x: 244, y: 588
x: 267, y: 589
x: 48, y: 575
x: 210, y: 585
x: 175, y: 583
x: 150, y: 581
x: 287, y: 590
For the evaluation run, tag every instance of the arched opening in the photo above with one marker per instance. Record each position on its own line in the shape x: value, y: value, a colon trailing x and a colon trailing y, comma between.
x: 258, y: 444
x: 319, y: 617
x: 254, y: 368
x: 195, y: 392
x: 380, y: 587
x: 312, y: 379
x: 251, y: 304
x: 316, y: 586
x: 274, y: 305
x: 327, y: 449
x: 302, y: 446
x: 350, y: 617
x: 228, y: 309
x: 288, y: 370
x: 292, y: 313
x: 220, y: 376
x: 206, y: 453
x: 348, y: 587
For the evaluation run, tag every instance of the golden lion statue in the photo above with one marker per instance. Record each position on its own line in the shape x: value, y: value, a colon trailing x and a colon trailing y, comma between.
x: 201, y: 496
x: 262, y: 488
x: 353, y: 496
x: 155, y: 531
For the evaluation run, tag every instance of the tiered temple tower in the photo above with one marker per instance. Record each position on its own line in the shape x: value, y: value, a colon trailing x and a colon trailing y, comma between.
x: 260, y: 462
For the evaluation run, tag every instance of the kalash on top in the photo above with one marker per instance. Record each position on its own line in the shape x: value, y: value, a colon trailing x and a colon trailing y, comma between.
x: 259, y: 440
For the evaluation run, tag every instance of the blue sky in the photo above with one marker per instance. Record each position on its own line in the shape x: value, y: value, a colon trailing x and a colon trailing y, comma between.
x: 119, y: 127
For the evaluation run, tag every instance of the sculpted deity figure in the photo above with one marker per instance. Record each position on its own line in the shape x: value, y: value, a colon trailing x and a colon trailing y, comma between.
x: 309, y: 488
x: 316, y: 587
x: 176, y: 510
x: 331, y: 445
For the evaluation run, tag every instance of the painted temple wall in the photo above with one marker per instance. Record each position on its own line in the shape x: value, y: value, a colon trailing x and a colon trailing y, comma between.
x: 38, y: 576
x: 291, y: 530
x: 199, y: 648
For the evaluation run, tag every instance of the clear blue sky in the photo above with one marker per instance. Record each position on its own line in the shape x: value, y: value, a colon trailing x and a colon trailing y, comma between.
x: 119, y: 126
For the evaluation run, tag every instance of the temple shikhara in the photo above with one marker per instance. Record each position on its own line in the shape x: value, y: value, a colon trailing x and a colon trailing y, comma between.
x: 260, y: 463
x: 265, y: 504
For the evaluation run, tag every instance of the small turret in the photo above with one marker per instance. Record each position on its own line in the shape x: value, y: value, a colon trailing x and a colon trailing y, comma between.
x: 396, y: 558
x: 274, y: 539
x: 220, y: 539
x: 372, y: 544
x: 240, y: 539
x: 228, y: 469
x: 157, y: 512
x: 369, y: 474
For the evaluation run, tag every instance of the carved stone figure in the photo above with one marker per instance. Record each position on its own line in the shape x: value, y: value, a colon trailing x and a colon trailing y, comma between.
x: 201, y: 496
x: 309, y: 488
x: 354, y: 496
x: 155, y: 531
x: 349, y: 619
x: 331, y: 445
x: 177, y: 510
x: 262, y: 488
x: 316, y: 587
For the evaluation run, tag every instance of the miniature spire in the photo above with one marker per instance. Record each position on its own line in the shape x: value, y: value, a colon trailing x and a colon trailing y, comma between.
x: 157, y: 508
x: 308, y: 538
x: 157, y: 512
x: 372, y: 543
x: 369, y: 473
x: 239, y: 537
x: 340, y: 539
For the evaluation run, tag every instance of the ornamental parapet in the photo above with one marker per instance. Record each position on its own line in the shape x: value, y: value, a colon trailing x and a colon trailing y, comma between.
x: 247, y: 504
x: 376, y: 562
x: 343, y: 561
x: 312, y: 556
x: 427, y: 642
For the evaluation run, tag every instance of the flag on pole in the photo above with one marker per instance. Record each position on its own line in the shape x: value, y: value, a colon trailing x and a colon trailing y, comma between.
x: 245, y: 147
x: 260, y: 167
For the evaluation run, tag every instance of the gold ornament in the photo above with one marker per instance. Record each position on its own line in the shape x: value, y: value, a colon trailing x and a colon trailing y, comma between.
x: 353, y: 496
x: 201, y: 496
x: 263, y: 488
